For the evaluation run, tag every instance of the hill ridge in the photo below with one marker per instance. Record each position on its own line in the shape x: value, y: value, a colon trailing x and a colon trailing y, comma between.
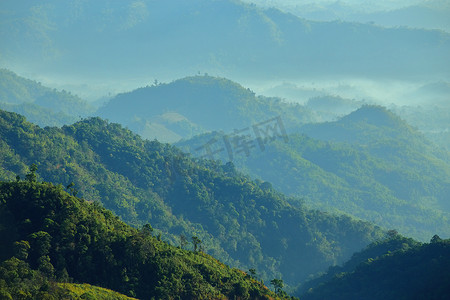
x: 243, y: 222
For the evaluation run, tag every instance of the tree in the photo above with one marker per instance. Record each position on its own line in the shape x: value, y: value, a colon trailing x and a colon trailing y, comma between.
x: 147, y: 230
x: 31, y: 176
x: 196, y: 241
x: 392, y: 233
x: 435, y: 239
x: 183, y: 241
x: 278, y: 285
x: 72, y: 190
x: 21, y: 249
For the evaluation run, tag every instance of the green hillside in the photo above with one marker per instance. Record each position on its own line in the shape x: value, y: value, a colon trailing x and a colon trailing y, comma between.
x: 244, y: 223
x: 369, y: 164
x: 40, y: 104
x: 87, y: 291
x: 397, y: 268
x: 48, y: 235
x: 202, y: 103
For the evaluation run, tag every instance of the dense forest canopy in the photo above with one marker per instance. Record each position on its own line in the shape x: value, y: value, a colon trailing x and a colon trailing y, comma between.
x: 308, y: 156
x: 243, y: 222
x: 370, y: 164
x: 50, y: 236
x: 397, y: 268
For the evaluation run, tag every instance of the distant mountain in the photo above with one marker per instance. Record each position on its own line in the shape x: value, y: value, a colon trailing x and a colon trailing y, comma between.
x: 112, y: 39
x: 428, y: 14
x: 49, y: 236
x: 431, y: 117
x: 370, y: 164
x: 397, y: 268
x: 242, y: 222
x: 193, y: 105
x: 431, y: 14
x: 40, y: 104
x: 330, y: 108
x: 365, y: 126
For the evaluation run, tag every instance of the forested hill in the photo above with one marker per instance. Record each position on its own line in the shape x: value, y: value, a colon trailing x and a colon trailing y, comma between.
x: 370, y: 164
x: 368, y: 125
x: 40, y: 104
x: 49, y: 236
x: 193, y: 105
x: 242, y: 222
x: 397, y: 268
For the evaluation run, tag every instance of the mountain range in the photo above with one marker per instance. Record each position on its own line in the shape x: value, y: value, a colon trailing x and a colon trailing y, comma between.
x: 134, y: 165
x: 365, y: 164
x: 41, y: 104
x: 431, y: 14
x: 222, y: 37
x: 369, y: 163
x: 244, y: 223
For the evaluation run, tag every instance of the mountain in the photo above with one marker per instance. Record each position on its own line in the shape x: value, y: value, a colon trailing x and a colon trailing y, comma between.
x: 125, y: 40
x: 48, y: 235
x: 40, y: 104
x: 397, y: 268
x: 370, y: 164
x: 431, y: 14
x: 193, y: 105
x: 432, y: 116
x: 244, y: 223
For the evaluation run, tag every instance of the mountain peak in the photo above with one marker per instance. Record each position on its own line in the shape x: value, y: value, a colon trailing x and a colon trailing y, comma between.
x: 375, y: 115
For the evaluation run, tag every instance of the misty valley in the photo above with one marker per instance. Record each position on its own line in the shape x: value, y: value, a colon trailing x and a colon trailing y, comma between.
x: 224, y: 149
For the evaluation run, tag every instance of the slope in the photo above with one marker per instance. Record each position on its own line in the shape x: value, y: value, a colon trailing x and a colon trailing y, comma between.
x: 369, y: 164
x: 202, y: 103
x: 397, y: 268
x: 240, y: 221
x: 62, y: 237
x: 42, y: 105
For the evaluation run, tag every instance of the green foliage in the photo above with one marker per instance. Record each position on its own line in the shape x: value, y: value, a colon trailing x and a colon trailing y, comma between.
x: 87, y: 291
x: 70, y: 239
x: 242, y: 222
x: 408, y: 270
x: 207, y: 103
x: 19, y: 281
x: 196, y: 242
x: 369, y: 164
x: 31, y: 176
x: 278, y: 285
x: 40, y: 104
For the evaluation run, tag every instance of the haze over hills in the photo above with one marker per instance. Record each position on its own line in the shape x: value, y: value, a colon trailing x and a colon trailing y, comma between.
x: 177, y: 110
x: 353, y: 127
x: 243, y: 222
x: 199, y: 104
x: 369, y: 163
x: 41, y: 104
x: 141, y: 40
x: 194, y: 105
x: 431, y: 14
